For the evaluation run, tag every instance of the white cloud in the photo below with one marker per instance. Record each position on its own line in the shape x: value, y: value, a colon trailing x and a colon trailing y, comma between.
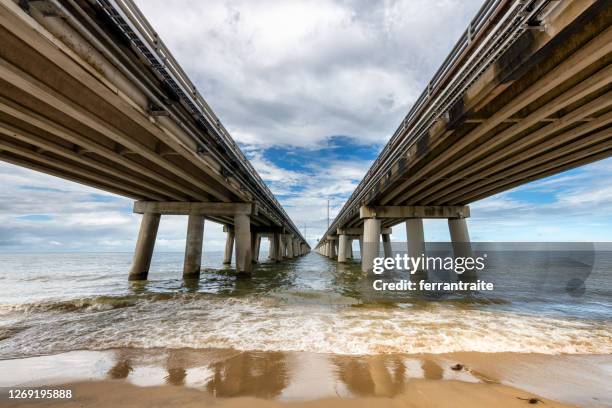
x: 296, y: 72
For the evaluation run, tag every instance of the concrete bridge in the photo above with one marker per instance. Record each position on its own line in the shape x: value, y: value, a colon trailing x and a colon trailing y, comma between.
x: 524, y: 94
x: 89, y: 93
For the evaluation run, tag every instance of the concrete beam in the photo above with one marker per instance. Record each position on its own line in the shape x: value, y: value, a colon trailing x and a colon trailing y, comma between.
x: 415, y: 211
x: 195, y: 208
x: 359, y: 231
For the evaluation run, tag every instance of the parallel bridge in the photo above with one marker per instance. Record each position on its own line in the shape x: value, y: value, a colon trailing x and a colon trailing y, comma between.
x: 89, y: 93
x: 524, y: 94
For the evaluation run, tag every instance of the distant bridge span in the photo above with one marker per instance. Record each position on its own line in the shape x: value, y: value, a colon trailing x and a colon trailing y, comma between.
x: 89, y: 93
x: 524, y: 94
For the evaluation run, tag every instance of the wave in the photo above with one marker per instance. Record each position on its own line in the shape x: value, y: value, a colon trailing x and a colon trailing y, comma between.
x: 99, y: 303
x: 272, y: 324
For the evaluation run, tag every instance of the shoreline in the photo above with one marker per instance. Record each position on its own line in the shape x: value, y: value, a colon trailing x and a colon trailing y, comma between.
x: 233, y: 378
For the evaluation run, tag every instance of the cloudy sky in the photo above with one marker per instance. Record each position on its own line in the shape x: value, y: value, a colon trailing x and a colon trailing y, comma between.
x: 311, y: 90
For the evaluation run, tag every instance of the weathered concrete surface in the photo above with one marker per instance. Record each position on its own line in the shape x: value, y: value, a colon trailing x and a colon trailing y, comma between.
x: 415, y: 211
x: 144, y: 246
x: 193, y: 247
x: 371, y: 241
x: 242, y: 228
x: 415, y: 235
x: 229, y: 246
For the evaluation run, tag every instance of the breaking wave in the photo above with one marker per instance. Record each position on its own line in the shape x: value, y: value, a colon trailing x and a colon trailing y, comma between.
x: 201, y: 321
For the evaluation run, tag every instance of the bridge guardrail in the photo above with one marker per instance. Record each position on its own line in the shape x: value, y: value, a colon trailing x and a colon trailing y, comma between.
x: 130, y: 20
x: 481, y: 44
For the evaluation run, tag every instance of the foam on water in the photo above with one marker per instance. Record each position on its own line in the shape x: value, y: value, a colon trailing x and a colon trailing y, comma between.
x: 309, y: 304
x: 195, y: 321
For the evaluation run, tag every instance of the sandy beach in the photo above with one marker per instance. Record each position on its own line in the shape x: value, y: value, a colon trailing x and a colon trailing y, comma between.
x: 228, y: 378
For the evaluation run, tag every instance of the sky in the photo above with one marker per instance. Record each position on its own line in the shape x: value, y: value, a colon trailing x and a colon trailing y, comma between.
x: 311, y: 90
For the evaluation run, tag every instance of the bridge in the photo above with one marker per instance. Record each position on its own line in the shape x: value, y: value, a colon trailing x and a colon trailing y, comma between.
x: 524, y: 94
x: 90, y: 93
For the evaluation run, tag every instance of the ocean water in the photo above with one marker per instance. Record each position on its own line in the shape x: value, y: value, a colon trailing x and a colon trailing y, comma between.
x: 57, y: 302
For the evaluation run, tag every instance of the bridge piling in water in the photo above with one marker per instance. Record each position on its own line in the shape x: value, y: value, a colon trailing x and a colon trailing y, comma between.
x: 372, y: 231
x: 144, y: 246
x: 415, y: 238
x: 193, y: 247
x: 243, y: 238
x: 242, y: 228
x: 229, y: 245
x: 371, y: 242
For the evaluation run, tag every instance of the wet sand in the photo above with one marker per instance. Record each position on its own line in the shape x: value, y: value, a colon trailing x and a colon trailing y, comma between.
x: 228, y: 378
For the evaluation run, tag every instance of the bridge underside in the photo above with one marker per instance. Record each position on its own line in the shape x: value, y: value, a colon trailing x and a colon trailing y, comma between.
x: 77, y: 102
x: 543, y: 107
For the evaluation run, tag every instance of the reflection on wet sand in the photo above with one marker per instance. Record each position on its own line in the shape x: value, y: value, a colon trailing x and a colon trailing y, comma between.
x: 302, y: 376
x: 372, y: 375
x: 120, y: 370
x: 432, y: 370
x: 272, y: 375
x: 262, y: 375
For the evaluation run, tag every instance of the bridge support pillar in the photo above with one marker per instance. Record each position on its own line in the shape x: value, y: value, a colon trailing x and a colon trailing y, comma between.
x: 342, y: 247
x: 193, y: 247
x: 229, y: 246
x: 144, y: 246
x: 296, y: 247
x: 349, y: 249
x: 276, y: 245
x: 462, y: 247
x: 332, y: 249
x: 242, y: 229
x: 386, y: 238
x: 415, y: 236
x: 255, y: 244
x: 361, y: 246
x: 289, y: 245
x: 270, y: 246
x: 371, y: 242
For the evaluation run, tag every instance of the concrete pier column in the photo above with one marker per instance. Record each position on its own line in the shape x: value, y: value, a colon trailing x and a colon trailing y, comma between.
x: 242, y: 229
x: 349, y: 249
x: 460, y: 237
x: 342, y: 247
x: 271, y: 253
x: 255, y: 243
x: 278, y: 255
x: 193, y: 247
x: 416, y: 244
x: 289, y: 240
x: 144, y: 246
x: 332, y: 249
x: 229, y: 246
x: 361, y: 246
x: 386, y: 238
x: 371, y: 242
x: 462, y: 247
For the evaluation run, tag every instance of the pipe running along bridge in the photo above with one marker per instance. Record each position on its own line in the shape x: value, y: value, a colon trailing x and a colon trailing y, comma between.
x: 89, y: 93
x: 524, y: 94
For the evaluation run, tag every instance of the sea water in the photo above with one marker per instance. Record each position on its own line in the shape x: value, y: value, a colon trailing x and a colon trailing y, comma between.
x: 58, y: 302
